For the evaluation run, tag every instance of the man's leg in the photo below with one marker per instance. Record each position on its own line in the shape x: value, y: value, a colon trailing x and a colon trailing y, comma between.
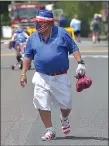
x: 17, y: 48
x: 94, y: 37
x: 76, y: 36
x: 65, y: 121
x: 18, y: 56
x: 98, y: 36
x: 42, y: 102
x: 79, y: 36
x: 61, y: 89
x: 46, y: 118
x: 65, y: 112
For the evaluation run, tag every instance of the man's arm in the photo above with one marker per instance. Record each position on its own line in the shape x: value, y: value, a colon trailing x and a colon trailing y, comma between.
x: 77, y: 55
x: 81, y: 64
x: 13, y: 37
x: 73, y: 49
x: 28, y: 56
x: 26, y: 64
x: 26, y: 35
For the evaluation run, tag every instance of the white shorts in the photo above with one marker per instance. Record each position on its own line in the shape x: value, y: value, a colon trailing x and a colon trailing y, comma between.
x: 50, y: 90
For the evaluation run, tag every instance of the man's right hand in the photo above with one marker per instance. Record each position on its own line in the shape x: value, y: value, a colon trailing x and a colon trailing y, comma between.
x: 23, y: 80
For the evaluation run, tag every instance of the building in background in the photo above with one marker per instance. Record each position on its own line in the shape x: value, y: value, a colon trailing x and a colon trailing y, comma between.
x: 23, y: 13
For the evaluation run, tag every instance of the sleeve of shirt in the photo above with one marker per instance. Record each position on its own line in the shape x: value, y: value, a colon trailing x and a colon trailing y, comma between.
x: 28, y: 50
x: 13, y: 37
x: 70, y: 43
x: 26, y: 35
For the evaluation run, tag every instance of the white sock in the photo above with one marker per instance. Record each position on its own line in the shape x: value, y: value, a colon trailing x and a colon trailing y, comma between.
x: 50, y: 129
x: 64, y: 118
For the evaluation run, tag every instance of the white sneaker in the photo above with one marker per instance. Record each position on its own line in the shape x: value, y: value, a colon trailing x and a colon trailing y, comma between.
x: 50, y: 135
x: 65, y: 126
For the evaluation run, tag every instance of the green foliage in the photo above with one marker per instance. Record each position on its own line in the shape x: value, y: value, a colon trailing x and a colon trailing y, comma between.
x: 84, y: 11
x: 80, y: 8
x: 4, y: 12
x: 5, y: 20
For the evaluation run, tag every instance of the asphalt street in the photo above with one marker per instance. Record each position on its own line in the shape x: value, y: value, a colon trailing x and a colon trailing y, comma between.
x: 20, y: 122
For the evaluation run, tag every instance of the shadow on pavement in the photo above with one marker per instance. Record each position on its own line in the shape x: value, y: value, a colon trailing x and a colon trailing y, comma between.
x: 81, y: 138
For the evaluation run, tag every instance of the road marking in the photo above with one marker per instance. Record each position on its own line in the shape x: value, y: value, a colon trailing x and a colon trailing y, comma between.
x: 91, y: 56
x: 94, y: 51
x: 71, y: 56
x: 7, y: 54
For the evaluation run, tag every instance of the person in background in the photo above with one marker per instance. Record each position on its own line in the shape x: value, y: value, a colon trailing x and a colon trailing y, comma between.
x: 19, y: 36
x: 95, y: 28
x: 76, y: 25
x: 62, y: 21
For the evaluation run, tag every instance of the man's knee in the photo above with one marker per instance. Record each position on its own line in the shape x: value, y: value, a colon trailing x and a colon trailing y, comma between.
x: 39, y: 106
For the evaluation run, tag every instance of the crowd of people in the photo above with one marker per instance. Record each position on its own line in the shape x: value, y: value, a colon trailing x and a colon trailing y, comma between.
x: 75, y: 23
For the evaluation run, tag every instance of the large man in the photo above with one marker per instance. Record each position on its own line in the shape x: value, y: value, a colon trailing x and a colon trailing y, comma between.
x: 49, y: 47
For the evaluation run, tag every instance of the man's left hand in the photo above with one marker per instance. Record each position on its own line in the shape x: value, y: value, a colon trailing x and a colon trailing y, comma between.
x: 80, y: 69
x: 23, y: 80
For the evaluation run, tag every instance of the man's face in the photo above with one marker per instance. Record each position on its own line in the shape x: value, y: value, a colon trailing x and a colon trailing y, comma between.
x: 42, y: 26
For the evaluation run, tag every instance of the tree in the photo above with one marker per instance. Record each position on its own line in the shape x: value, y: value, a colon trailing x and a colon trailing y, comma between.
x: 84, y: 10
x: 4, y: 12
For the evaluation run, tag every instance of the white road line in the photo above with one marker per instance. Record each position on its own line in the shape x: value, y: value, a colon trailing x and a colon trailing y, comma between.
x: 91, y: 56
x: 70, y: 56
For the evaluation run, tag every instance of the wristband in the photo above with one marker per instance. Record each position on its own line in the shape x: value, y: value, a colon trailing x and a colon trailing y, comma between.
x: 23, y: 74
x: 81, y: 62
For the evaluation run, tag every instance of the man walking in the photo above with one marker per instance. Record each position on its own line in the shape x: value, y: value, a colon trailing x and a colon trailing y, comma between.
x: 49, y: 47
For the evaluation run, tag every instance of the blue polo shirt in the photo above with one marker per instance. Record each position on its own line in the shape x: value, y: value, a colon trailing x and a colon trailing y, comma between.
x: 51, y: 56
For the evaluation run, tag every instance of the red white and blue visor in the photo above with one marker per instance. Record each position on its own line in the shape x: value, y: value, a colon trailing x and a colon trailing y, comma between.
x: 44, y: 15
